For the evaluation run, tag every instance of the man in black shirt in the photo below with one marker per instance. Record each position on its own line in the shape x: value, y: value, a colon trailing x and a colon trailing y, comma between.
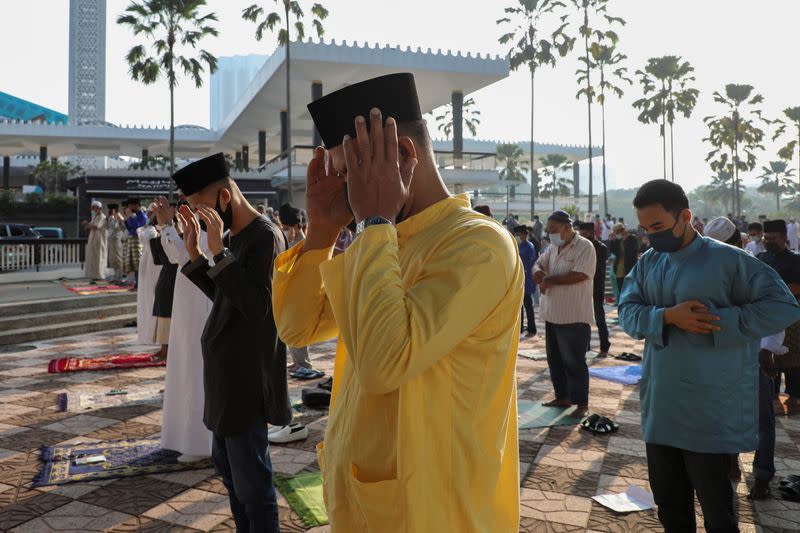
x: 587, y: 230
x: 787, y: 264
x: 244, y: 362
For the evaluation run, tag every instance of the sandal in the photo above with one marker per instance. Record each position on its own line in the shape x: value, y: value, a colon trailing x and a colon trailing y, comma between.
x: 790, y: 491
x: 788, y: 480
x: 600, y: 425
x: 306, y: 374
x: 627, y: 356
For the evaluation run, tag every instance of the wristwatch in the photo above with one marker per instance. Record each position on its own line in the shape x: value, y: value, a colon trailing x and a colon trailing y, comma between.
x: 370, y: 221
x: 221, y: 255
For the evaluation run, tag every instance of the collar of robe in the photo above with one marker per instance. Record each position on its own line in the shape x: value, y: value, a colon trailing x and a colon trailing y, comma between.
x: 685, y: 253
x: 429, y: 216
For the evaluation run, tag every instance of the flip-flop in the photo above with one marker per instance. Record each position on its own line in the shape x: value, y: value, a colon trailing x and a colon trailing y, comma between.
x: 788, y: 480
x: 555, y: 403
x: 627, y: 356
x: 600, y: 425
x: 307, y: 374
x: 790, y: 491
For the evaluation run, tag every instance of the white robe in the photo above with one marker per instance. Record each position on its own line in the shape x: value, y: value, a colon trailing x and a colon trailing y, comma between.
x: 146, y: 293
x: 182, y: 427
x: 96, y: 249
x: 792, y: 234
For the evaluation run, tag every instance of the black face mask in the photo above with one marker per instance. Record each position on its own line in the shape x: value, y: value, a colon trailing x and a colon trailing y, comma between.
x: 226, y: 216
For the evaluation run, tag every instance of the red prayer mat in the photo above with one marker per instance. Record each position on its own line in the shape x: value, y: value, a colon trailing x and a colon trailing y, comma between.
x: 97, y: 289
x: 103, y: 362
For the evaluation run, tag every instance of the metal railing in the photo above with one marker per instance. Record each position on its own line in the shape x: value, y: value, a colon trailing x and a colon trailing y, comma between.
x: 38, y: 254
x: 303, y: 154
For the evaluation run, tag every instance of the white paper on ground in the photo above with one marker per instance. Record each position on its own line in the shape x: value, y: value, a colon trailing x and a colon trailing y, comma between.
x: 633, y: 499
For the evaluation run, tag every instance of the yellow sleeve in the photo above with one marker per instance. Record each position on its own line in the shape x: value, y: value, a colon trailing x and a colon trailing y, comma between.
x: 392, y: 333
x: 302, y: 311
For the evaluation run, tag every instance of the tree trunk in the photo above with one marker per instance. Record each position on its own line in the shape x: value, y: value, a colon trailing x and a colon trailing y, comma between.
x: 588, y: 98
x: 664, y: 144
x: 778, y: 192
x: 288, y: 105
x: 672, y: 151
x: 554, y: 189
x: 171, y: 139
x: 508, y: 196
x: 533, y: 171
x: 603, y: 125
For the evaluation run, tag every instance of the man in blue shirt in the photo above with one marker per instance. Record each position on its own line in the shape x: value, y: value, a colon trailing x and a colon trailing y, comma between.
x: 702, y: 307
x: 132, y: 246
x: 527, y: 252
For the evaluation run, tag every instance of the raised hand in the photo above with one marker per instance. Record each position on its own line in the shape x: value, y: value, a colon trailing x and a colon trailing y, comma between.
x: 377, y: 183
x: 191, y: 232
x: 325, y: 203
x: 213, y: 228
x: 164, y: 211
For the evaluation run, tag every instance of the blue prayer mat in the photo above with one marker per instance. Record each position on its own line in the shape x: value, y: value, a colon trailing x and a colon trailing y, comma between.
x: 625, y: 374
x: 124, y: 458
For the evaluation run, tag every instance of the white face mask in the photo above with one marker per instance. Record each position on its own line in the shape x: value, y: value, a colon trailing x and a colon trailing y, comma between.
x: 555, y: 238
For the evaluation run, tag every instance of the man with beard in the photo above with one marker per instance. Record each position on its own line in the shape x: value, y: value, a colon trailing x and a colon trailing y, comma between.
x: 244, y: 362
x: 422, y: 433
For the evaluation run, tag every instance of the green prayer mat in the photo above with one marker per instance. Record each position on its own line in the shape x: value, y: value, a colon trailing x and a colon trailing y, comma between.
x: 304, y: 494
x: 535, y: 415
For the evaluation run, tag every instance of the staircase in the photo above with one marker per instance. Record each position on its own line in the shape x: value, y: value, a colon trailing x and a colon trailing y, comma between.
x: 59, y: 317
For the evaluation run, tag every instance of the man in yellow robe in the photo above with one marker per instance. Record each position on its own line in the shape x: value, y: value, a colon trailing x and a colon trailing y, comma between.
x: 422, y: 433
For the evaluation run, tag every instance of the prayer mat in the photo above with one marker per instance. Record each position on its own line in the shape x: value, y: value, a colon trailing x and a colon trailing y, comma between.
x: 535, y: 415
x: 535, y: 355
x: 84, y: 401
x: 103, y: 362
x: 626, y: 374
x: 304, y: 494
x: 123, y: 458
x: 98, y: 289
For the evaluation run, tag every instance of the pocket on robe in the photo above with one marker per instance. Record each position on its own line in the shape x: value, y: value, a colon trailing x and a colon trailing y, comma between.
x: 382, y: 503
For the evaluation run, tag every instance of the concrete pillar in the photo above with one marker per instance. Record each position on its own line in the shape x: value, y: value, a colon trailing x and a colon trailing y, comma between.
x: 42, y: 154
x: 262, y: 147
x: 6, y: 172
x: 145, y: 154
x: 316, y: 94
x: 238, y: 161
x: 245, y: 157
x: 284, y: 134
x: 576, y: 179
x: 458, y: 128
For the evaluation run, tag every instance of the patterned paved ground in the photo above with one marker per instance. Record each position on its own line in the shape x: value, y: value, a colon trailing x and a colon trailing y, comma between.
x: 561, y: 468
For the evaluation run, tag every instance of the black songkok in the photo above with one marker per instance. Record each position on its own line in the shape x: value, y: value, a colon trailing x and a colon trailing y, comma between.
x: 289, y: 215
x: 586, y: 226
x: 775, y: 226
x: 199, y: 174
x: 394, y: 94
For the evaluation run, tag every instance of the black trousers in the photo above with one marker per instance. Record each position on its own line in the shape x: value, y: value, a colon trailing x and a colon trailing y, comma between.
x: 566, y: 346
x: 600, y: 320
x: 527, y: 309
x: 676, y: 475
x: 620, y: 283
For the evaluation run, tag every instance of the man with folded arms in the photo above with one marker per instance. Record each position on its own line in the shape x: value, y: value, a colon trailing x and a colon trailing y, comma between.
x: 702, y: 308
x: 422, y: 434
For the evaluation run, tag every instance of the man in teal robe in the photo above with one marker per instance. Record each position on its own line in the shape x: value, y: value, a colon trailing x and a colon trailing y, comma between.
x: 702, y: 308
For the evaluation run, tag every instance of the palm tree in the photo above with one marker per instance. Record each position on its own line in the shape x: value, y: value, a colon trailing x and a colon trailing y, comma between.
x: 52, y: 174
x: 734, y: 132
x: 776, y: 178
x: 471, y: 117
x: 668, y: 78
x: 158, y: 162
x: 590, y: 10
x: 256, y: 14
x: 604, y: 59
x: 557, y: 186
x: 167, y: 25
x: 534, y: 47
x: 787, y: 152
x: 510, y: 157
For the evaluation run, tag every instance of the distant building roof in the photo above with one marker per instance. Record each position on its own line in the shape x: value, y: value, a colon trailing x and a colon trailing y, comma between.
x: 14, y: 108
